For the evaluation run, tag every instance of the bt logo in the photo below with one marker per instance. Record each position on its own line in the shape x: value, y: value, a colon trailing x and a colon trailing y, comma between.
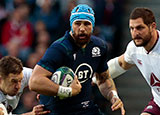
x: 84, y: 71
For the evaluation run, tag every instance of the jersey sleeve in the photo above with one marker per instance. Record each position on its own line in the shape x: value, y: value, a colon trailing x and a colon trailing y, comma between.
x: 26, y: 75
x: 52, y: 58
x: 128, y: 53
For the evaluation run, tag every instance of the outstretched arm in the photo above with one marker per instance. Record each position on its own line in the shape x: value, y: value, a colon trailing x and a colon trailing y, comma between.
x: 37, y: 110
x: 108, y: 90
x: 118, y: 66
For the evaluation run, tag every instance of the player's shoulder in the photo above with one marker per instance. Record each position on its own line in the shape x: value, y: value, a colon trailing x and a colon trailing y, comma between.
x: 63, y: 42
x: 98, y: 41
x: 2, y: 97
x: 27, y: 70
x: 26, y: 75
x: 58, y: 42
x: 133, y: 49
x: 131, y: 46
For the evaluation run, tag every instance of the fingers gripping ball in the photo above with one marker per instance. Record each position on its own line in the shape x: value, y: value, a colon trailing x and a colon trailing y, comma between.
x: 64, y: 77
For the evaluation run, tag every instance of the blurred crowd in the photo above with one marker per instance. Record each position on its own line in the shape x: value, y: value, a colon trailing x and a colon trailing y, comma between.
x: 28, y: 27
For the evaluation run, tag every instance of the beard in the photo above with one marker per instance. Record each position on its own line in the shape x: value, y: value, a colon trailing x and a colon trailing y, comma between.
x: 144, y: 41
x: 13, y: 93
x: 81, y: 39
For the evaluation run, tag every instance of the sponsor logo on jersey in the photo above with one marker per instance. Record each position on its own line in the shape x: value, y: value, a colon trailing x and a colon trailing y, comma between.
x: 96, y: 52
x: 85, y: 104
x: 150, y: 107
x: 84, y: 71
x: 154, y: 81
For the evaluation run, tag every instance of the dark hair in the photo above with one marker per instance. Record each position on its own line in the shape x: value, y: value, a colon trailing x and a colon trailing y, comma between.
x: 145, y: 13
x: 10, y: 64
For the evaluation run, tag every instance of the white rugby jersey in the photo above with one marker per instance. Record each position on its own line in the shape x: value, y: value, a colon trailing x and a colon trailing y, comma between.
x: 13, y: 100
x: 148, y: 64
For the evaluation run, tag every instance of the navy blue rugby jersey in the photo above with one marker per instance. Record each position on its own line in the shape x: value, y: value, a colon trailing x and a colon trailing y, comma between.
x: 83, y: 61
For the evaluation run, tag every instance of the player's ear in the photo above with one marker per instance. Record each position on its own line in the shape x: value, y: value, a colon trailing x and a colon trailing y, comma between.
x: 154, y: 25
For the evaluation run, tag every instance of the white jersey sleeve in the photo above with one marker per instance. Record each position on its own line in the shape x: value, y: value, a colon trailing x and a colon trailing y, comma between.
x: 26, y: 75
x: 3, y: 108
x: 128, y: 53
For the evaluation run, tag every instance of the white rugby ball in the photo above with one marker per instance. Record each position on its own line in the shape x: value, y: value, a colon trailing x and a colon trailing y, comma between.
x: 63, y: 76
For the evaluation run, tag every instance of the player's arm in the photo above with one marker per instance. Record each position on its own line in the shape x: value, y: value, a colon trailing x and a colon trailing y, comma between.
x: 37, y: 110
x: 118, y: 66
x: 41, y: 83
x: 108, y: 90
x: 3, y: 110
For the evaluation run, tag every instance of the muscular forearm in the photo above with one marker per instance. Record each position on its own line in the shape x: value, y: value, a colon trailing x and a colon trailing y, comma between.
x: 40, y: 83
x: 43, y: 85
x: 106, y: 88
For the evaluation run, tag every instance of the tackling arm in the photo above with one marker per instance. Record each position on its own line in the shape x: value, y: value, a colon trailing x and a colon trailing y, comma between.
x: 118, y: 66
x: 37, y: 110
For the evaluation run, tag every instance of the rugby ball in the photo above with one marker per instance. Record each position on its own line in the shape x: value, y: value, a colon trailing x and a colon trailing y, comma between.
x: 63, y: 76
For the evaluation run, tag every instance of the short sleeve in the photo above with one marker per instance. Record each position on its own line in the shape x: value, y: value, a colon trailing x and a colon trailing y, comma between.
x: 52, y: 58
x: 26, y: 76
x: 128, y: 53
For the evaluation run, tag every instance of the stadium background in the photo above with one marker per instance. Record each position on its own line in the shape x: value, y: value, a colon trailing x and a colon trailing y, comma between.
x: 49, y: 19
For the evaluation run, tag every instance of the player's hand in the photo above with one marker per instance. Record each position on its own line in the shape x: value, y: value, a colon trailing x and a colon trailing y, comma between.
x: 1, y: 112
x: 38, y: 110
x: 76, y: 86
x: 38, y: 97
x: 117, y: 104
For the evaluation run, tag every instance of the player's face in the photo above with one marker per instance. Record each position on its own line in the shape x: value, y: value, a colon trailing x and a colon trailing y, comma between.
x: 82, y: 32
x: 11, y: 84
x: 140, y: 32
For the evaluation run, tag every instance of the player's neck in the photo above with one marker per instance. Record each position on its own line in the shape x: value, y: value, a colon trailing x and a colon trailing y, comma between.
x: 152, y: 42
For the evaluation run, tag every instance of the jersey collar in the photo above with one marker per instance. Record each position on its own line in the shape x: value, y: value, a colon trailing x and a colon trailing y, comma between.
x: 155, y: 43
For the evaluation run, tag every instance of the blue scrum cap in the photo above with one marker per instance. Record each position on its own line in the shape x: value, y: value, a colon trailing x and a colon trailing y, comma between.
x: 82, y: 12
